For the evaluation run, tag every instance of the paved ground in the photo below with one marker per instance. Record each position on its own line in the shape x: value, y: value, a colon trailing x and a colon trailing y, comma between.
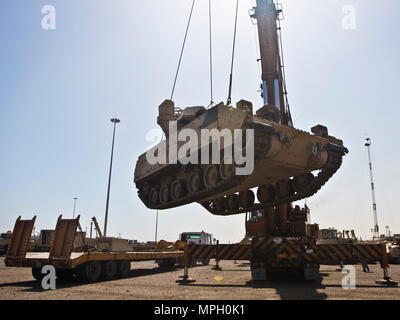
x: 147, y: 281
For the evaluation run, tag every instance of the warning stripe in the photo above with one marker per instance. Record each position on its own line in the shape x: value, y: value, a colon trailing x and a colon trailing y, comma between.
x: 289, y: 252
x: 235, y: 252
x: 263, y: 244
x: 286, y: 257
x: 222, y: 252
x: 361, y: 252
x: 199, y: 250
x: 241, y: 253
x: 338, y: 252
x: 286, y: 254
x: 225, y: 252
x: 291, y: 249
x: 375, y: 250
x: 310, y: 257
x: 247, y: 254
x: 325, y: 253
x: 207, y: 252
x: 344, y: 252
x: 335, y: 254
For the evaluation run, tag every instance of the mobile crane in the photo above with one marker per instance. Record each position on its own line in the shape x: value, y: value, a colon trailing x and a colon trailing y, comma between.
x: 282, y: 237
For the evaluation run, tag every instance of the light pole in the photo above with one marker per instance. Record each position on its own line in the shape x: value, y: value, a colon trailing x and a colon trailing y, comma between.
x: 156, y: 228
x: 114, y: 121
x: 376, y: 227
x: 73, y: 213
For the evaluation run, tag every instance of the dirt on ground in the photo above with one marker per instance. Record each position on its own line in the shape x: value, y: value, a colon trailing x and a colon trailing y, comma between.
x: 148, y: 281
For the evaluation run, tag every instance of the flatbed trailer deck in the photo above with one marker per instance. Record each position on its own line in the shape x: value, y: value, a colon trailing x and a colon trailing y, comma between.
x: 88, y: 265
x: 40, y: 259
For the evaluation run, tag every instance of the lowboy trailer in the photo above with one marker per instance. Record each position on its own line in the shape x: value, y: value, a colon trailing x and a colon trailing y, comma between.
x: 88, y: 266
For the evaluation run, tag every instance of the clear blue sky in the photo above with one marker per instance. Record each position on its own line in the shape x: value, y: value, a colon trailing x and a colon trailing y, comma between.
x: 59, y: 88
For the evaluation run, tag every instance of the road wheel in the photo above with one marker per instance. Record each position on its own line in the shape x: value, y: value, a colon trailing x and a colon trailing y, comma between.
x: 246, y: 198
x: 145, y: 189
x: 164, y: 194
x: 211, y: 177
x: 284, y: 189
x: 227, y: 171
x: 90, y: 272
x: 177, y: 190
x: 266, y: 193
x: 154, y: 197
x: 124, y: 268
x: 37, y: 274
x: 109, y: 270
x: 194, y: 183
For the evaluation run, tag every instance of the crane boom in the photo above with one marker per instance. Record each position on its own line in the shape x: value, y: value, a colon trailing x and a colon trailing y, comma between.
x: 267, y: 16
x: 376, y: 226
x: 96, y: 225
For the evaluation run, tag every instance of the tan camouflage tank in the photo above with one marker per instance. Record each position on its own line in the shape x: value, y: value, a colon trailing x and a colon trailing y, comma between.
x: 289, y: 164
x: 284, y: 161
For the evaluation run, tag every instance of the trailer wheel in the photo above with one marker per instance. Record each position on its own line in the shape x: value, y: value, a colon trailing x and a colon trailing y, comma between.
x: 65, y: 275
x: 37, y: 274
x: 109, y: 270
x: 124, y: 268
x: 90, y: 272
x: 166, y: 263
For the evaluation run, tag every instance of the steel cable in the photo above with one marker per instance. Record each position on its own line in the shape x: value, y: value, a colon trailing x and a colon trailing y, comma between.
x: 183, y: 48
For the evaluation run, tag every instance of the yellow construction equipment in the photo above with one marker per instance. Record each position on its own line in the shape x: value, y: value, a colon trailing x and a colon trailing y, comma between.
x: 96, y: 225
x: 89, y: 266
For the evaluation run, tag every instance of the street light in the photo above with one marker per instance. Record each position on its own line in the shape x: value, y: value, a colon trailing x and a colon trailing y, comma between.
x: 156, y: 228
x: 73, y: 214
x: 114, y: 121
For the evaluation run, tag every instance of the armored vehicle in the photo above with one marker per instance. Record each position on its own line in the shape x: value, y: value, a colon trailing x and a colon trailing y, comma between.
x: 270, y: 159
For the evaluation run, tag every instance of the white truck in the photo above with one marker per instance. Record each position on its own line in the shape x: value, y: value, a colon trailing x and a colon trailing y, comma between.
x: 198, y: 238
x: 189, y: 238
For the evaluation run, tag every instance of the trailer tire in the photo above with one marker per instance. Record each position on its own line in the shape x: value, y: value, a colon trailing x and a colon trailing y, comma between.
x: 109, y: 270
x: 166, y: 263
x: 124, y: 268
x: 90, y: 272
x: 65, y: 275
x: 37, y: 274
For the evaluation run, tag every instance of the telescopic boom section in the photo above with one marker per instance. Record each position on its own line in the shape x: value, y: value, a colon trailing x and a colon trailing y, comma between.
x: 267, y: 14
